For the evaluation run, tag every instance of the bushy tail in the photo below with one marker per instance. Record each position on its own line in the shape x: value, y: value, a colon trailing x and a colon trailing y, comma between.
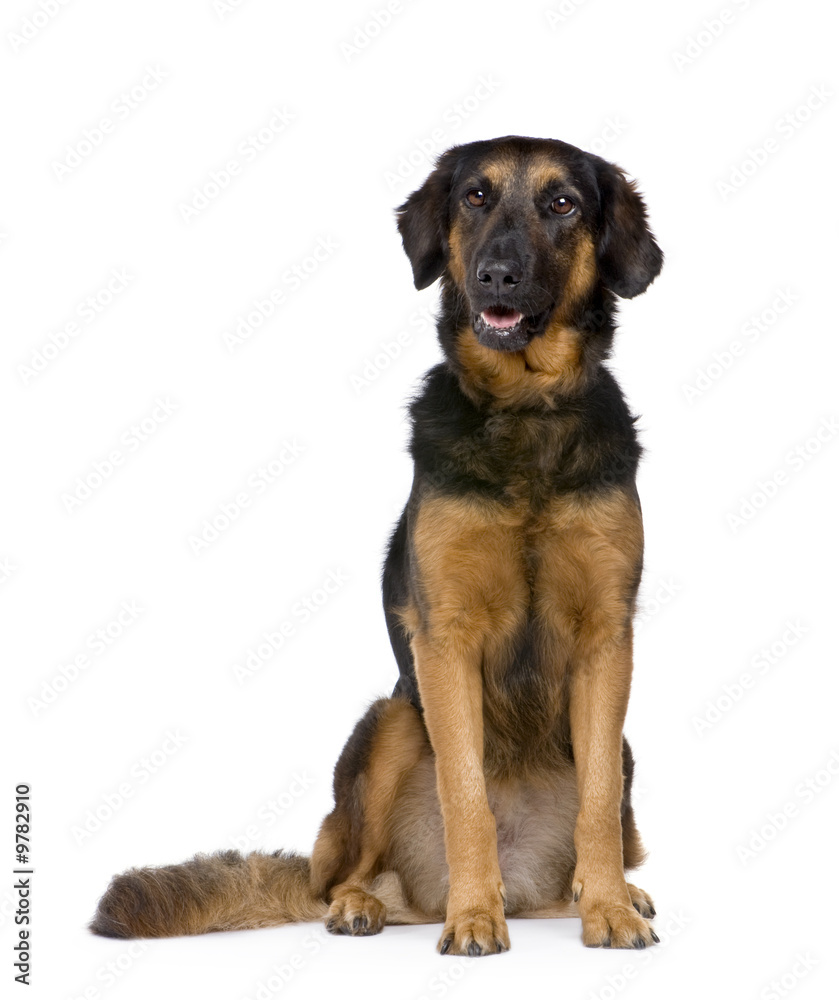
x: 212, y: 892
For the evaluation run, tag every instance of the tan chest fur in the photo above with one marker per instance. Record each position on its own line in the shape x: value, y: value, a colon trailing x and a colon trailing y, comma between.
x: 536, y: 585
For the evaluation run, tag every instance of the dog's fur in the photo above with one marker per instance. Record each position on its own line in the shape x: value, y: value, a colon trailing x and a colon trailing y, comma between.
x: 496, y: 779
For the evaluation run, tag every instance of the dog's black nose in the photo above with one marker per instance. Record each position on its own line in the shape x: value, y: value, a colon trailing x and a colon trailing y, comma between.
x: 499, y: 276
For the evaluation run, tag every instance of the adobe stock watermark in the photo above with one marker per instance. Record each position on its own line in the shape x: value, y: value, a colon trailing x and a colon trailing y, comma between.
x: 795, y: 460
x: 273, y: 639
x: 34, y: 23
x: 654, y: 598
x: 87, y: 312
x: 445, y: 980
x: 8, y: 905
x: 365, y: 33
x: 139, y: 774
x: 120, y: 110
x: 750, y: 333
x: 271, y: 810
x: 229, y: 511
x: 131, y: 440
x: 785, y: 128
x: 263, y: 308
x: 613, y: 128
x: 807, y: 791
x: 562, y: 12
x: 711, y: 29
x: 225, y: 7
x: 96, y: 643
x: 424, y: 151
x: 420, y: 323
x: 734, y: 692
x: 217, y: 181
x: 668, y: 927
x: 112, y: 972
x: 274, y: 982
x: 789, y: 980
x: 7, y: 570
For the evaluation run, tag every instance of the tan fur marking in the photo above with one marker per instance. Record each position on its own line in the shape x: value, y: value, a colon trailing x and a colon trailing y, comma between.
x: 543, y: 173
x: 470, y: 557
x: 408, y: 616
x: 583, y: 274
x: 555, y: 358
x: 456, y: 254
x: 470, y: 561
x: 500, y: 169
x: 450, y: 686
x: 532, y: 377
x: 328, y: 853
x: 400, y: 742
x: 398, y: 745
x: 597, y: 546
x: 592, y: 551
x: 549, y: 365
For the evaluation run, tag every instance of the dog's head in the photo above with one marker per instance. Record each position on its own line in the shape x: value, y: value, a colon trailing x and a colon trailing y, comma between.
x: 527, y: 231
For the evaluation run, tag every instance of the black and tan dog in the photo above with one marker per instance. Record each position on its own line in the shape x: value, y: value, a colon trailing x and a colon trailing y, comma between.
x: 496, y: 779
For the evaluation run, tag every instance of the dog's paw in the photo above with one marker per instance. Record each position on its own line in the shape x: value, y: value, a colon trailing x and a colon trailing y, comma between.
x: 608, y: 924
x: 355, y: 912
x: 641, y: 901
x: 474, y: 933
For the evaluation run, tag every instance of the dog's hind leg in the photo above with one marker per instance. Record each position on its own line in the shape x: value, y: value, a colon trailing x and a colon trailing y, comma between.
x: 352, y: 847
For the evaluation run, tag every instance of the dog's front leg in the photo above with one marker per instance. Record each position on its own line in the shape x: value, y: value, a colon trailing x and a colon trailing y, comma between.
x: 470, y: 598
x: 589, y: 576
x: 599, y: 693
x: 448, y: 669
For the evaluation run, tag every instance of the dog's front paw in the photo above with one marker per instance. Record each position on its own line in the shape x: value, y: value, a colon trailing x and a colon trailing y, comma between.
x: 474, y: 932
x: 609, y: 922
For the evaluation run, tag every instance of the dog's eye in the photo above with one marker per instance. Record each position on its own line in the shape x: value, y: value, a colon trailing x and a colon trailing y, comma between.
x: 476, y: 197
x: 562, y: 206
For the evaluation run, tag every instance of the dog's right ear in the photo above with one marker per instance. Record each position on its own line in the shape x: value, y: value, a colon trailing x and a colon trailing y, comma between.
x: 423, y: 222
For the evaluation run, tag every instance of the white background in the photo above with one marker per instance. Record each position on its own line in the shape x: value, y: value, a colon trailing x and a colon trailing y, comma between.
x: 623, y: 79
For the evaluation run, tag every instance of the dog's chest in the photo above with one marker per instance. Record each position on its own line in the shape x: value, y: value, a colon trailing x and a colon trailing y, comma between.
x: 524, y: 458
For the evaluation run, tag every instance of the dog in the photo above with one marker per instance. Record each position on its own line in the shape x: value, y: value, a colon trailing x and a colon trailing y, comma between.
x: 496, y: 780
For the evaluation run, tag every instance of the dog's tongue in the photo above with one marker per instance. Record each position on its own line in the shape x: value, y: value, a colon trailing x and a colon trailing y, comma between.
x: 501, y: 319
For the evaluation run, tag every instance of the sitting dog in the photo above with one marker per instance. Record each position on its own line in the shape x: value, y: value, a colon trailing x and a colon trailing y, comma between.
x: 495, y: 781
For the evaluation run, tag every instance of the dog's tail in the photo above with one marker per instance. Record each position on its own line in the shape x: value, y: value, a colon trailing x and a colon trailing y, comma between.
x: 212, y: 892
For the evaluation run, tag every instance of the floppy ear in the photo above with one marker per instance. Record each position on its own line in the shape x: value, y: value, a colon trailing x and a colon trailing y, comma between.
x: 628, y: 255
x: 423, y: 222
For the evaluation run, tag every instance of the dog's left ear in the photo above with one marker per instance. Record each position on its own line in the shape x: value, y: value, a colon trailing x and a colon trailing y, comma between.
x: 423, y: 222
x: 628, y: 254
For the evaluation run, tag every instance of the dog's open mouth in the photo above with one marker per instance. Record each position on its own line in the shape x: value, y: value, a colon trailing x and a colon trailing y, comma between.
x: 503, y: 329
x: 501, y: 318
